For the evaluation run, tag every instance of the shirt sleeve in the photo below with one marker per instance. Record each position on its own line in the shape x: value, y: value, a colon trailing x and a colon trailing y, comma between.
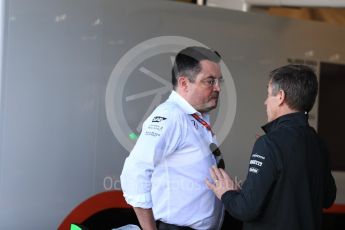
x: 160, y: 136
x: 247, y: 203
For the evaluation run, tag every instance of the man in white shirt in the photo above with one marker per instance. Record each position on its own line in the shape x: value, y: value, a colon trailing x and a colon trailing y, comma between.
x: 163, y: 177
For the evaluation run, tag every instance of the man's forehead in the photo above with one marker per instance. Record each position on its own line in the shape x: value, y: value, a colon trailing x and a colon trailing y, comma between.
x: 208, y: 62
x: 269, y: 84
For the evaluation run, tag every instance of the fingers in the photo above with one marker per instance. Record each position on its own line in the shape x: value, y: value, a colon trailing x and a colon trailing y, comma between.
x: 210, y: 185
x: 233, y: 184
x: 225, y: 175
x: 217, y: 173
x: 213, y: 174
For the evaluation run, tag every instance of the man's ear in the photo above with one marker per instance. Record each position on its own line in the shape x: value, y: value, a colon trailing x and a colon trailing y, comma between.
x: 182, y: 83
x: 281, y: 97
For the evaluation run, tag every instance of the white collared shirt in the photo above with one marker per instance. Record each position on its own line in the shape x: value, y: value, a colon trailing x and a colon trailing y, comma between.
x: 167, y: 168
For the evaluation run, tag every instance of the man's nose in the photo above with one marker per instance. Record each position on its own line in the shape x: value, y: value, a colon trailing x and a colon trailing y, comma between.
x: 216, y: 87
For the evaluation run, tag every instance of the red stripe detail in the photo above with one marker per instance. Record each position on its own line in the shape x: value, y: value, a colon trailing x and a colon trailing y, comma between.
x: 204, y: 123
x: 93, y: 205
x: 335, y: 208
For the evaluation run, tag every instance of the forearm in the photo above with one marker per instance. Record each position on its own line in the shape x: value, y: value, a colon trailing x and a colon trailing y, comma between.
x: 145, y: 217
x: 237, y: 206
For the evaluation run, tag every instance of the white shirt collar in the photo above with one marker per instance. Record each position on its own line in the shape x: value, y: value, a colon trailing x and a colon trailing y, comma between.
x: 185, y: 106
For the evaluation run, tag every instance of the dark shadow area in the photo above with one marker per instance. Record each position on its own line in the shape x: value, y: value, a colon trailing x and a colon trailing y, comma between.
x: 231, y: 223
x: 331, y: 123
x: 111, y: 218
x: 333, y: 221
x: 117, y: 217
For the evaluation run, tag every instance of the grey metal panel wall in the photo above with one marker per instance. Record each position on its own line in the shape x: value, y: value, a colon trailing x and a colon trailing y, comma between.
x: 58, y: 147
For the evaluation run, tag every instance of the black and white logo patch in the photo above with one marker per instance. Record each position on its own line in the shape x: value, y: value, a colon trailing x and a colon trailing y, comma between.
x: 158, y: 119
x: 256, y: 163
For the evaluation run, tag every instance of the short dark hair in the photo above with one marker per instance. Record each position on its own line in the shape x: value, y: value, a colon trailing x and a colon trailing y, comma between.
x: 299, y: 84
x: 187, y: 62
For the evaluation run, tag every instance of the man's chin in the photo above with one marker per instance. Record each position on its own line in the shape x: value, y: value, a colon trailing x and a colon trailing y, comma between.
x: 215, y: 103
x: 212, y: 106
x: 209, y: 106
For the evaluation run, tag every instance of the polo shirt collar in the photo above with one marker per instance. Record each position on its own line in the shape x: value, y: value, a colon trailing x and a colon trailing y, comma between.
x: 288, y: 120
x: 186, y: 107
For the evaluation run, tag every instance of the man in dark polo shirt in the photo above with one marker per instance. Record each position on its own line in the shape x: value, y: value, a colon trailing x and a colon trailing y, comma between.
x: 289, y: 180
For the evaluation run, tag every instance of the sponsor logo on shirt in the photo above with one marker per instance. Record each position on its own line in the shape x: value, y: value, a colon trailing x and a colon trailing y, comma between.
x: 148, y: 133
x: 158, y: 119
x: 155, y: 127
x: 195, y: 124
x: 253, y: 170
x: 258, y: 156
x: 256, y: 163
